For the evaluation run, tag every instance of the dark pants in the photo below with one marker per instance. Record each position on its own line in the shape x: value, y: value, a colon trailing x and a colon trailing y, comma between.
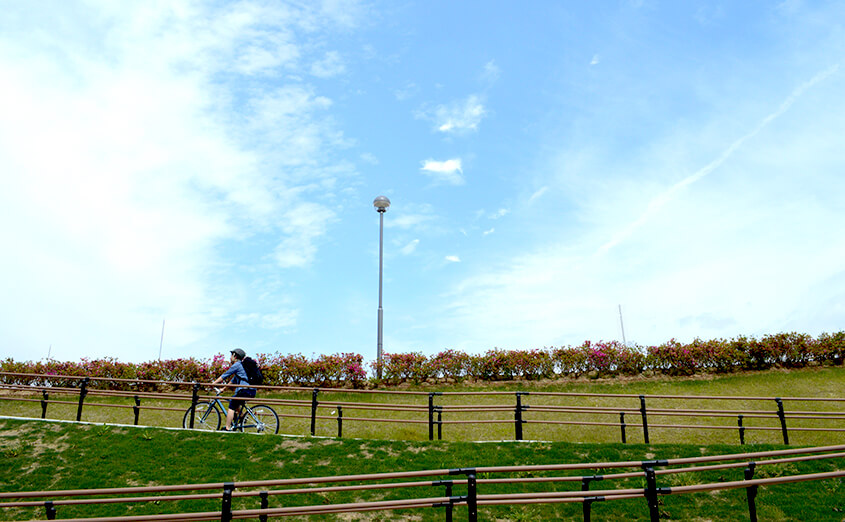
x: 235, y: 404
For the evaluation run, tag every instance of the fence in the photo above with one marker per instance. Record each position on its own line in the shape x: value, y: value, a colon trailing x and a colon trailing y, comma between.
x: 431, y: 415
x: 470, y: 487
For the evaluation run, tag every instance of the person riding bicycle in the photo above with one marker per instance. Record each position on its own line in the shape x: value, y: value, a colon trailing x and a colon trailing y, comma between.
x: 238, y: 375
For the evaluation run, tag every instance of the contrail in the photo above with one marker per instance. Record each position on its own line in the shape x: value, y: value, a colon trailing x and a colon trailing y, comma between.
x: 664, y: 197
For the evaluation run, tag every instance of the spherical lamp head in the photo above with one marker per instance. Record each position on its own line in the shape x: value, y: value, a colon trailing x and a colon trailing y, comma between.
x: 381, y: 203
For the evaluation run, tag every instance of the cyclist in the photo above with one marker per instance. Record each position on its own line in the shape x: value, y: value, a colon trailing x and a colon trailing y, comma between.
x: 236, y: 374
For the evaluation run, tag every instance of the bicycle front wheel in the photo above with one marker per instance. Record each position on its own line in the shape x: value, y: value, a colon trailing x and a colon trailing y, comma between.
x: 261, y: 419
x: 207, y: 417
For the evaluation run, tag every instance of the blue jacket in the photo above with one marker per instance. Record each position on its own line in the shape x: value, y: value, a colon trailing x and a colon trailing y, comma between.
x: 237, y: 374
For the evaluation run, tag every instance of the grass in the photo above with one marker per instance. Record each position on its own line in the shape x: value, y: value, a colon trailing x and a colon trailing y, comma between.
x: 810, y: 382
x: 38, y: 455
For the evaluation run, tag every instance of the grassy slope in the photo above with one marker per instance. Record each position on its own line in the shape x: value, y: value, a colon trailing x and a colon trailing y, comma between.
x: 38, y: 456
x: 35, y: 455
x: 813, y: 382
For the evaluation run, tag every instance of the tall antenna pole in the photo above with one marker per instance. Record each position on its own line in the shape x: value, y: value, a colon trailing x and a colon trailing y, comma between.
x: 622, y: 325
x: 161, y: 343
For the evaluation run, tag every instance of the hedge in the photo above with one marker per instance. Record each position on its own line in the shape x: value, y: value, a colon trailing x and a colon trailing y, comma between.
x: 599, y: 359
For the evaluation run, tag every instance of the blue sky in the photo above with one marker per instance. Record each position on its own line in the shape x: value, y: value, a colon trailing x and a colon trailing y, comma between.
x: 213, y: 165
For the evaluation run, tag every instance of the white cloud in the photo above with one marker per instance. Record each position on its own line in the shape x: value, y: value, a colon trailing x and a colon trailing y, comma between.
x: 124, y: 172
x: 491, y: 72
x: 448, y: 171
x: 453, y: 259
x: 408, y: 91
x: 410, y: 247
x: 369, y: 158
x: 488, y: 231
x: 330, y: 65
x: 721, y: 253
x: 460, y: 117
x: 666, y: 196
x: 537, y: 194
x: 595, y: 60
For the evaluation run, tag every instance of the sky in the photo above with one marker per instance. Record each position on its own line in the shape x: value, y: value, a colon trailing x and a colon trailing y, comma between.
x: 180, y: 178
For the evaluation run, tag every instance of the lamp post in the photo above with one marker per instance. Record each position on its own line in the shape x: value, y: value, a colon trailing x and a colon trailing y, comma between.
x: 380, y: 203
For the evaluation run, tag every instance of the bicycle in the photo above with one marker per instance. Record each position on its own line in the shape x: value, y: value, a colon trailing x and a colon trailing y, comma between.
x: 261, y: 418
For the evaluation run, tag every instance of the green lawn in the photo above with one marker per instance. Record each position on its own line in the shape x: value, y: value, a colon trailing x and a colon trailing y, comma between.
x: 465, y: 426
x: 39, y: 455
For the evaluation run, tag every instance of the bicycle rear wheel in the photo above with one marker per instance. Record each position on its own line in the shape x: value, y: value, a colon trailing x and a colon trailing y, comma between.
x: 207, y: 417
x: 260, y: 419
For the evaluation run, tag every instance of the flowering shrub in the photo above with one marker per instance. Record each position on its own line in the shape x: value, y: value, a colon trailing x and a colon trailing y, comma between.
x: 450, y: 364
x: 603, y: 359
x: 403, y: 367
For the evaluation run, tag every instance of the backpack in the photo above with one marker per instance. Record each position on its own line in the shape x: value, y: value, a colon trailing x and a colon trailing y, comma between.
x: 253, y: 372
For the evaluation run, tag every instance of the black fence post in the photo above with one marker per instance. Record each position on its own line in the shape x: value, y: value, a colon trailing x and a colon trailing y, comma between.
x: 195, y: 398
x: 439, y: 422
x: 472, y: 498
x: 622, y: 425
x: 782, y: 417
x: 651, y: 494
x: 741, y: 429
x: 587, y: 504
x: 264, y: 505
x: 226, y: 509
x: 431, y: 416
x: 517, y: 417
x: 450, y: 505
x: 314, y: 393
x: 83, y: 391
x: 44, y: 398
x: 751, y: 492
x: 50, y: 509
x: 137, y: 408
x: 645, y: 418
x: 585, y: 481
x: 339, y: 421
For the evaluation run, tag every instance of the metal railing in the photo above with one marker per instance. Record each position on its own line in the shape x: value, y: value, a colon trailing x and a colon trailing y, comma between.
x: 632, y: 410
x: 470, y: 488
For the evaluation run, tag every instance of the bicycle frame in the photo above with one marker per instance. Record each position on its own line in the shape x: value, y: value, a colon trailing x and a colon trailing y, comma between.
x: 238, y: 422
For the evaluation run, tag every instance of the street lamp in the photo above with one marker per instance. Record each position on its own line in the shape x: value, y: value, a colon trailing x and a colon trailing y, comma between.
x: 381, y: 203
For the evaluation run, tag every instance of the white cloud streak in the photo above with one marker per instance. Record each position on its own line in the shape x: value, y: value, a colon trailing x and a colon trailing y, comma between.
x: 448, y: 171
x: 460, y: 117
x: 671, y: 193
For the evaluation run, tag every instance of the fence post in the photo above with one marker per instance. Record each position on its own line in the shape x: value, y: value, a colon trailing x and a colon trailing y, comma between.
x: 339, y: 421
x: 83, y: 391
x: 50, y: 510
x: 517, y: 418
x: 751, y: 492
x: 450, y: 504
x: 472, y: 498
x: 264, y: 505
x: 782, y: 417
x: 195, y: 397
x: 651, y: 494
x: 226, y: 509
x: 431, y: 416
x: 439, y: 422
x: 622, y: 425
x: 645, y: 418
x: 585, y: 481
x: 314, y: 393
x: 587, y: 504
x: 137, y: 408
x: 741, y: 430
x: 44, y: 398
